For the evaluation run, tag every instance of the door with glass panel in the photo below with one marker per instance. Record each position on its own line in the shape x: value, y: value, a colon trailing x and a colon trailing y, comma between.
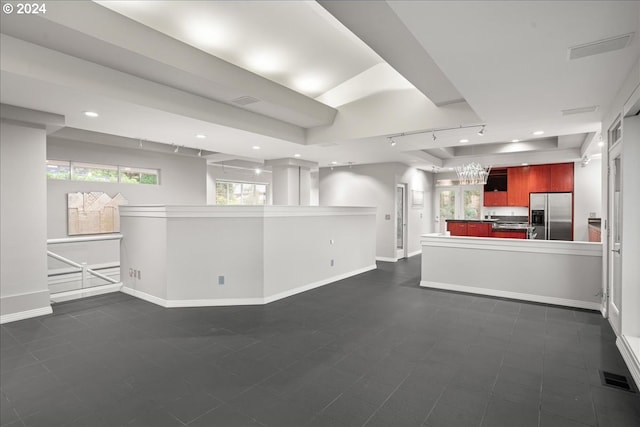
x: 457, y: 202
x: 401, y: 221
x: 614, y: 306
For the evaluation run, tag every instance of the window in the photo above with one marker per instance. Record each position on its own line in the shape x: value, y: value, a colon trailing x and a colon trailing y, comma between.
x: 57, y: 169
x: 240, y: 193
x: 138, y: 175
x: 76, y: 171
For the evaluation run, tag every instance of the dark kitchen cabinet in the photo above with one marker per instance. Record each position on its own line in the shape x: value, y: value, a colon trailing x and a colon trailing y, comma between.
x: 518, y: 192
x: 561, y: 177
x: 457, y: 228
x: 495, y: 198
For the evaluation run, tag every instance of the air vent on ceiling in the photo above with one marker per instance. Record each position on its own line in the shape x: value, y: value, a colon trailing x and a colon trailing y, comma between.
x: 245, y: 100
x: 591, y: 109
x: 600, y: 46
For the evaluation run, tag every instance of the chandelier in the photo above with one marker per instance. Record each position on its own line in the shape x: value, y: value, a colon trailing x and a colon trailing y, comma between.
x: 473, y: 174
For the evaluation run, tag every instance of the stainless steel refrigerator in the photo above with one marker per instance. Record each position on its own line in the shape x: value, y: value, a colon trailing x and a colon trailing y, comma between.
x: 552, y: 215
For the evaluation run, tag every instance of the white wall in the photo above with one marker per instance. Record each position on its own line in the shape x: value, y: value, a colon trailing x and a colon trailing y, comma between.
x: 587, y: 197
x: 225, y: 173
x: 182, y: 181
x: 23, y: 221
x: 263, y: 252
x: 375, y: 185
x: 512, y: 268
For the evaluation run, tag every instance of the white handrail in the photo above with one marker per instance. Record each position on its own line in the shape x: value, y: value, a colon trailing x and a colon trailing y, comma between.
x: 93, y: 238
x: 84, y: 268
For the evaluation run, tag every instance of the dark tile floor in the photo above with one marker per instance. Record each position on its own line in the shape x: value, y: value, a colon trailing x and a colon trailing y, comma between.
x: 372, y: 350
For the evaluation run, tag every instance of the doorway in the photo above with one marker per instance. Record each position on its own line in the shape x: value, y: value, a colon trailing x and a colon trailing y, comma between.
x: 401, y: 221
x: 457, y: 202
x: 614, y: 263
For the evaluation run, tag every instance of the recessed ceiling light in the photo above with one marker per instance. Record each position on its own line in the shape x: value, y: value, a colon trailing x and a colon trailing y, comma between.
x: 464, y: 140
x: 256, y: 147
x: 265, y: 62
x: 206, y: 34
x: 296, y: 155
x: 600, y: 144
x: 91, y: 114
x: 334, y: 163
x: 258, y: 171
x: 515, y: 140
x: 201, y: 136
x: 524, y: 164
x: 450, y: 169
x: 308, y: 84
x: 539, y: 132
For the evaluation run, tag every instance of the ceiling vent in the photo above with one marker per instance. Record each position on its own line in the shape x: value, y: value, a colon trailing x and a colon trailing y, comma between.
x: 600, y: 46
x: 245, y: 100
x: 581, y: 110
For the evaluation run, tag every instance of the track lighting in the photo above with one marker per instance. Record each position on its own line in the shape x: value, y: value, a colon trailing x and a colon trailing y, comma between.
x: 199, y: 153
x: 433, y: 135
x: 392, y: 142
x: 139, y: 143
x: 175, y: 150
x: 481, y: 131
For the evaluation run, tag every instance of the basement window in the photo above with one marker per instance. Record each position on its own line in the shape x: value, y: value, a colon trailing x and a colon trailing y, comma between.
x: 93, y: 172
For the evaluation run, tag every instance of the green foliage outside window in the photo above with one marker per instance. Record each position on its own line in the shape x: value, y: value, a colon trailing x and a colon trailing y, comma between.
x: 65, y: 170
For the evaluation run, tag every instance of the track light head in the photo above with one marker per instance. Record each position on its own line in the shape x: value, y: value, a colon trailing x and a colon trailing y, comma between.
x: 392, y: 142
x: 199, y: 153
x: 481, y: 131
x: 175, y: 150
x: 433, y: 135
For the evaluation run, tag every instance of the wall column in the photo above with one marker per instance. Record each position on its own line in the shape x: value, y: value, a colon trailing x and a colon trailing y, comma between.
x: 24, y: 290
x: 291, y: 181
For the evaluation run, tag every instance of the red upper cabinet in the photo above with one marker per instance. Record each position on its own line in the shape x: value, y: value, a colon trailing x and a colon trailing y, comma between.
x: 495, y: 198
x: 518, y: 190
x: 561, y: 177
x: 539, y: 179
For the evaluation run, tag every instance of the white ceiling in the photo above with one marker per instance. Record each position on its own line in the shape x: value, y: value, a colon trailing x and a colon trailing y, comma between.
x: 142, y: 66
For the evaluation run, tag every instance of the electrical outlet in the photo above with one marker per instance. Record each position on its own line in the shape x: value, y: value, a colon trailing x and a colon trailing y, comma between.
x: 387, y: 217
x: 331, y: 263
x: 139, y: 275
x: 220, y: 280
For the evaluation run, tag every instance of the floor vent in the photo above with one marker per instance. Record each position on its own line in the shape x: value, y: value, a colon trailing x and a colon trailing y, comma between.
x: 619, y: 382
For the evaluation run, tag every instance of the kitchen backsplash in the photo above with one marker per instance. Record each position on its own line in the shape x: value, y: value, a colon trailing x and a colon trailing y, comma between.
x: 505, y: 211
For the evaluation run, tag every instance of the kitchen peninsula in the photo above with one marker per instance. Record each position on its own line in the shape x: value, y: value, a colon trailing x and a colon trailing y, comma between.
x: 506, y: 229
x: 565, y: 273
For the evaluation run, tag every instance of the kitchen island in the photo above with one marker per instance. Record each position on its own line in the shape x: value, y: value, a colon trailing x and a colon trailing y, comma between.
x: 489, y: 228
x: 548, y: 271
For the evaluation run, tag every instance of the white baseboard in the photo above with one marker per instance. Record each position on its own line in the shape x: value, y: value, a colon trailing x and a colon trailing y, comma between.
x: 87, y: 292
x: 317, y: 284
x: 386, y: 259
x: 414, y: 253
x: 145, y: 296
x: 21, y: 315
x: 220, y: 302
x: 512, y: 295
x: 631, y: 357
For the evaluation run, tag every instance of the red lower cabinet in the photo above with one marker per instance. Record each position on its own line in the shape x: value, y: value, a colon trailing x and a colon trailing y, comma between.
x: 509, y: 234
x: 457, y: 228
x: 478, y: 229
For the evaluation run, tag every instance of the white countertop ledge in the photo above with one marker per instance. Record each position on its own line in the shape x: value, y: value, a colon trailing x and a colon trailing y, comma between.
x: 593, y: 249
x: 211, y: 211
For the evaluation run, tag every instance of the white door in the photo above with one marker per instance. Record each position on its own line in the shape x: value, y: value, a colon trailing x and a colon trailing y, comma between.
x: 401, y: 221
x: 457, y: 202
x: 614, y: 306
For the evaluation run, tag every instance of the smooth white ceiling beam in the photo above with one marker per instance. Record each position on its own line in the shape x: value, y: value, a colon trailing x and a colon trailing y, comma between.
x: 97, y: 34
x: 381, y: 29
